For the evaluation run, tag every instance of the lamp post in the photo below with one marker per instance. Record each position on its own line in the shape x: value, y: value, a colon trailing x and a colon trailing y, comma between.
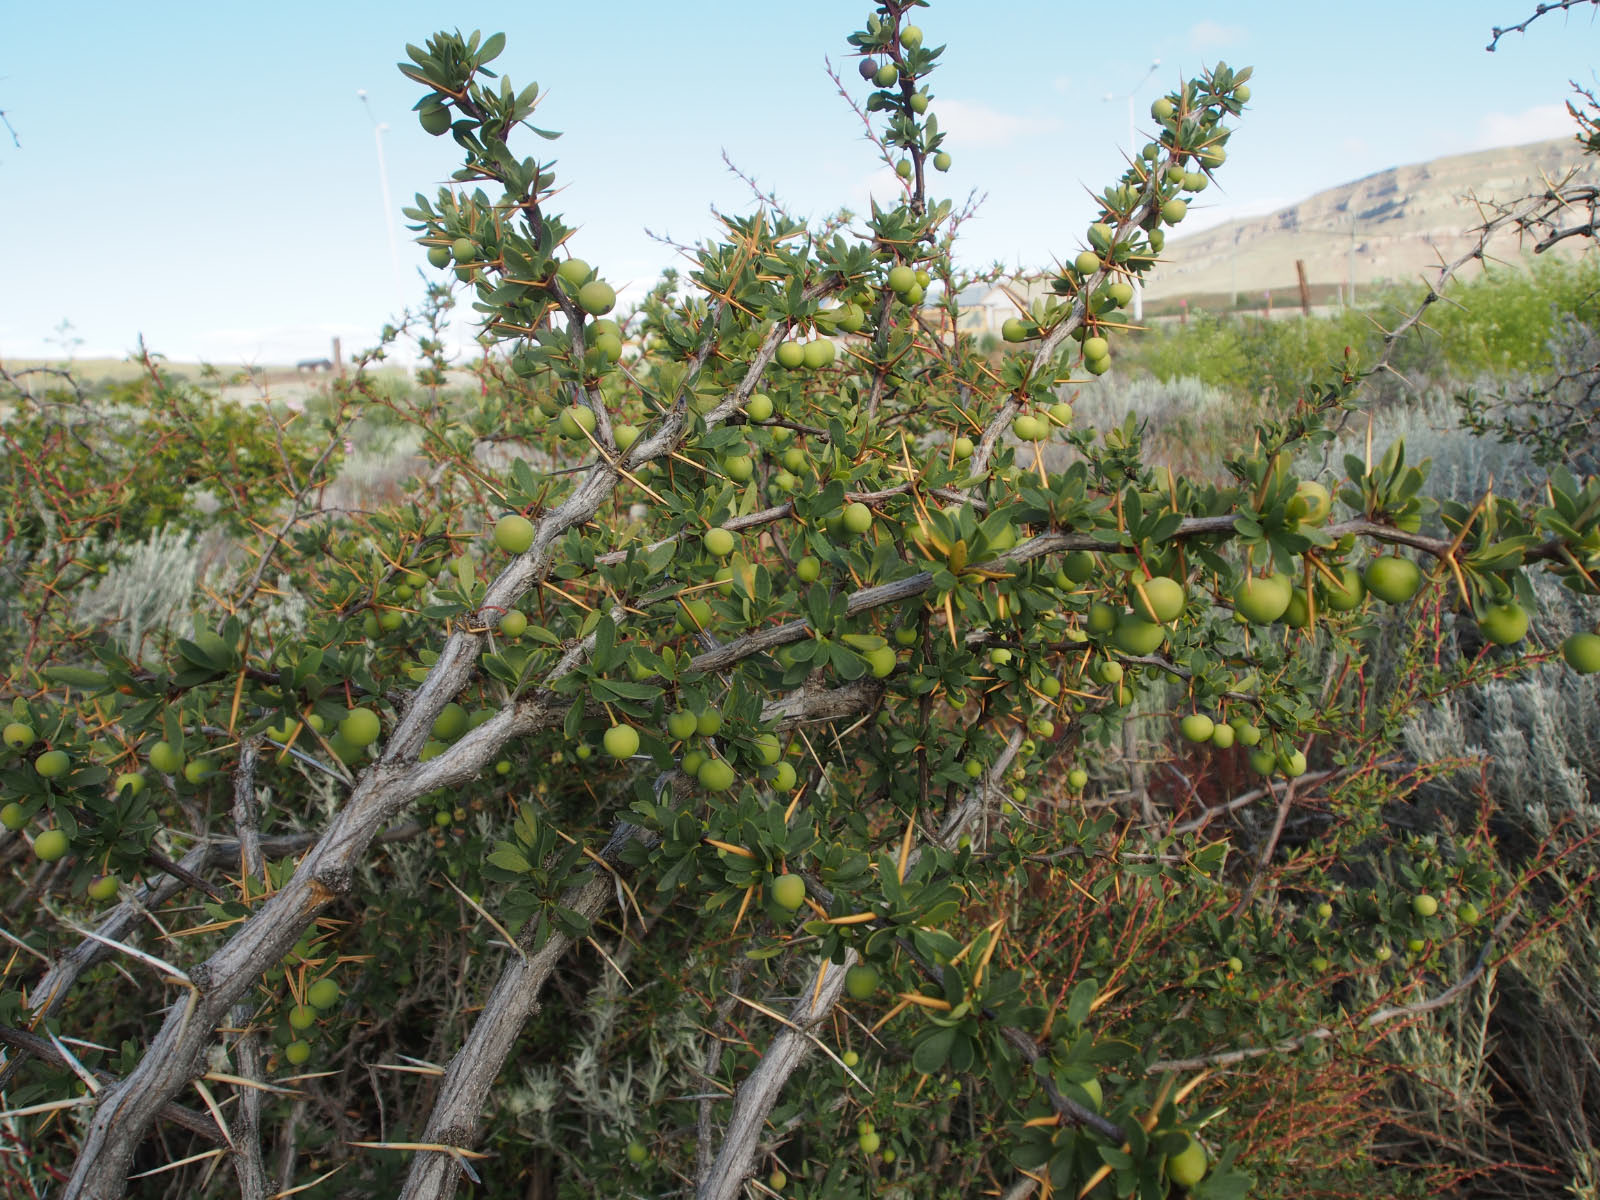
x: 378, y: 130
x: 1138, y: 287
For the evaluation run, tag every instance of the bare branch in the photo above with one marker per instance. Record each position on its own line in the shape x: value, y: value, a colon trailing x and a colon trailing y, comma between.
x: 1243, y: 800
x: 1545, y: 6
x: 762, y: 1087
x: 456, y: 1120
x: 327, y: 871
x: 51, y: 991
x: 457, y: 1117
x: 249, y: 1166
x: 40, y: 1048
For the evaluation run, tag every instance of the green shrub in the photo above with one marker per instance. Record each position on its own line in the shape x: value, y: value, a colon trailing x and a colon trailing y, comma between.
x: 386, y: 751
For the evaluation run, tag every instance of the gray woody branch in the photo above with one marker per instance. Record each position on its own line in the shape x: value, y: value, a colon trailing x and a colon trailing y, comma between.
x: 457, y: 1117
x: 762, y: 1087
x: 175, y: 1055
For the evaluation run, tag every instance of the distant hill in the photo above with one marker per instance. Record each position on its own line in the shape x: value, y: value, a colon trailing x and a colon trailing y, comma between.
x: 1405, y: 218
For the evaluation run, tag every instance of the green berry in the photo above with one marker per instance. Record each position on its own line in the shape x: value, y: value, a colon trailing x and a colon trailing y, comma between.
x: 1393, y: 579
x: 861, y: 981
x: 360, y: 727
x: 1158, y: 599
x: 789, y: 891
x: 881, y: 661
x: 715, y: 775
x: 576, y: 422
x: 1504, y: 624
x: 52, y: 764
x: 597, y: 297
x: 513, y: 533
x: 451, y: 722
x: 1187, y: 1167
x: 18, y: 736
x: 165, y: 759
x: 573, y: 271
x: 622, y: 741
x: 323, y: 994
x: 1582, y: 652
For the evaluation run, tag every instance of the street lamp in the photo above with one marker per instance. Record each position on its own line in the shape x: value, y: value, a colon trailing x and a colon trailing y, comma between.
x: 1138, y: 287
x: 378, y: 130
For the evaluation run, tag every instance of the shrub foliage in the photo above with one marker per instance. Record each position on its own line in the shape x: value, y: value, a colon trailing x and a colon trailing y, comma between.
x: 702, y: 770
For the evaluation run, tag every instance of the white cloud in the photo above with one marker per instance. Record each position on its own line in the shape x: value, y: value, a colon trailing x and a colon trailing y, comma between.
x: 1535, y: 124
x: 971, y: 124
x: 1209, y: 35
x: 883, y: 185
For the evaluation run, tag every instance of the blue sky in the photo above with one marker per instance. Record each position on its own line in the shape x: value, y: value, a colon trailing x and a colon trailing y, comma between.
x: 205, y: 175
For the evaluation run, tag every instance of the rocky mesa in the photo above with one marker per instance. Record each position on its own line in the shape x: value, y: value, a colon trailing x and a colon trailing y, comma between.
x: 1393, y: 224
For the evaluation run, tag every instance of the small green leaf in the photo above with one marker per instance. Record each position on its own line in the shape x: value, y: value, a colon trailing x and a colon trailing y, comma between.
x: 933, y: 1051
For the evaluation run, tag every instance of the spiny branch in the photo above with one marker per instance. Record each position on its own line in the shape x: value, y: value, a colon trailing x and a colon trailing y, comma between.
x: 456, y: 1119
x: 37, y: 1047
x: 762, y: 1087
x: 1546, y: 6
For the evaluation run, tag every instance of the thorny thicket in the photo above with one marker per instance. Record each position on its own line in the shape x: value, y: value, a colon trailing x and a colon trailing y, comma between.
x: 743, y: 668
